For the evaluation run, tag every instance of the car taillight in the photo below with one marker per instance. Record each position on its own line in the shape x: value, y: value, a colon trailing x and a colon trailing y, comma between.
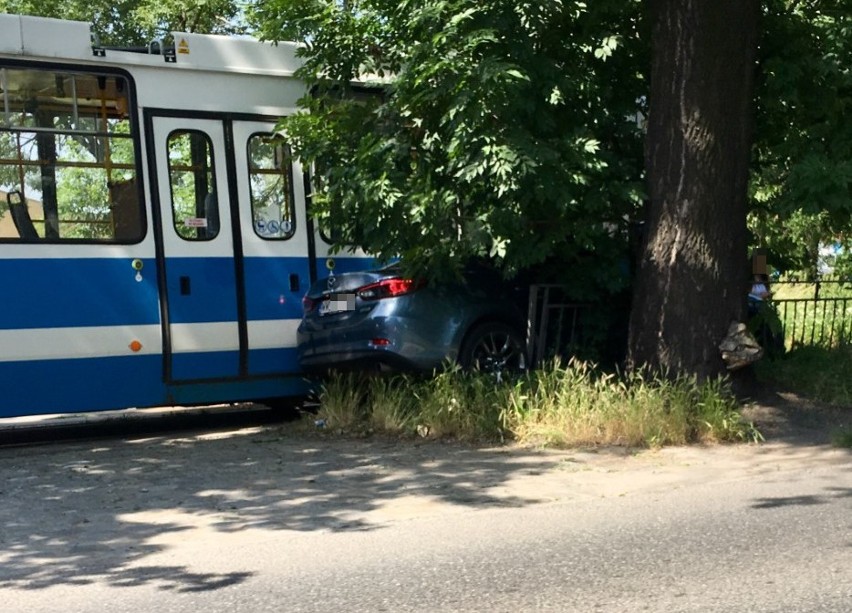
x: 308, y: 304
x: 389, y: 288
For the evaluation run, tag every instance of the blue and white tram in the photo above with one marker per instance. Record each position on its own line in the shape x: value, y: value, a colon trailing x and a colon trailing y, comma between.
x: 154, y: 237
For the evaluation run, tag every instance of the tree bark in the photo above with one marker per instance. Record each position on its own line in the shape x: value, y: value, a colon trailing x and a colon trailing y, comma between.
x: 692, y: 276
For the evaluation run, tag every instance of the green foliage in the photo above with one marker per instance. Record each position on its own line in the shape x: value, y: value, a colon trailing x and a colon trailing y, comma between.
x: 461, y: 406
x: 392, y: 408
x: 136, y: 22
x: 503, y: 129
x: 816, y: 372
x: 560, y: 406
x: 450, y: 405
x: 802, y: 167
x: 790, y: 287
x: 843, y: 263
x: 823, y: 323
x: 203, y: 16
x: 343, y: 397
x: 577, y: 405
x: 842, y: 438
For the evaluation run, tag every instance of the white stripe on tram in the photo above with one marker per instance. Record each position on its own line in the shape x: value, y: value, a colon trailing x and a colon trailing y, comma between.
x: 272, y: 334
x: 79, y: 342
x: 29, y: 344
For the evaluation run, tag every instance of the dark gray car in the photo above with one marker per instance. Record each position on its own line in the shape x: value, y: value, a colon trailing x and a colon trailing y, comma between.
x: 379, y: 319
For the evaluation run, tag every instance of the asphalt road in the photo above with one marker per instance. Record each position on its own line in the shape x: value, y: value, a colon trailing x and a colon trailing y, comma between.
x: 255, y: 519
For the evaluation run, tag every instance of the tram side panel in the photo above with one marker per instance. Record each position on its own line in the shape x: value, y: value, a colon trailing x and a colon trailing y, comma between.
x: 110, y: 301
x: 80, y: 326
x: 78, y: 334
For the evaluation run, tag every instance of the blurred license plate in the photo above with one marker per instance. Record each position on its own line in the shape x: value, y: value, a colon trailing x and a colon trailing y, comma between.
x: 337, y: 304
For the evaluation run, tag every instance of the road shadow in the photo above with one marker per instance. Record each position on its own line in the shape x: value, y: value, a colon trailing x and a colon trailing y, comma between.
x: 106, y: 508
x: 97, y: 510
x: 830, y: 495
x: 790, y: 418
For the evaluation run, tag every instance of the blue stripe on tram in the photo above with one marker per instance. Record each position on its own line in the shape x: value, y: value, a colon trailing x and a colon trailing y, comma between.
x: 79, y: 385
x: 59, y: 293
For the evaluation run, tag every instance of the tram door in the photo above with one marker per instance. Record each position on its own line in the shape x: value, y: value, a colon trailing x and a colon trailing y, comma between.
x: 236, y: 263
x: 275, y: 246
x: 203, y: 331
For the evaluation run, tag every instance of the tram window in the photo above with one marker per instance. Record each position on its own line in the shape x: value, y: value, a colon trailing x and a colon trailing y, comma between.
x: 330, y: 234
x: 192, y: 180
x: 271, y: 185
x: 67, y: 158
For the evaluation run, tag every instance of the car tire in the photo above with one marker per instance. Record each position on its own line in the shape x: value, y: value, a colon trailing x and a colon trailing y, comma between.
x: 495, y: 348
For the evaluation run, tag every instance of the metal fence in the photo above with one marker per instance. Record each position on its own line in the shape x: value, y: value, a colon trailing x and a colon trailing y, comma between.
x: 815, y: 313
x: 824, y: 322
x: 553, y: 323
x: 820, y: 314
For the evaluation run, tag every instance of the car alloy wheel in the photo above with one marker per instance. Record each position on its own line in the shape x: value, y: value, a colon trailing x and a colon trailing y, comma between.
x: 495, y: 348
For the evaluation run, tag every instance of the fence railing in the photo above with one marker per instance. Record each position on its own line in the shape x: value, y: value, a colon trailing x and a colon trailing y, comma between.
x: 553, y: 323
x: 820, y: 315
x: 822, y: 287
x: 815, y: 312
x: 825, y: 322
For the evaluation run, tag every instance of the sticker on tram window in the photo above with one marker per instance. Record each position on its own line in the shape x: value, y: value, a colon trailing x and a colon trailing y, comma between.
x: 270, y: 168
x: 272, y: 227
x: 195, y: 222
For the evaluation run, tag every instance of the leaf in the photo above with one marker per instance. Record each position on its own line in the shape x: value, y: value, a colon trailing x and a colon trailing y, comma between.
x: 608, y: 45
x: 499, y: 132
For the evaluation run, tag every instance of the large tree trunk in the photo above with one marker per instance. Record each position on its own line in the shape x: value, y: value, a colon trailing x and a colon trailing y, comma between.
x: 692, y: 275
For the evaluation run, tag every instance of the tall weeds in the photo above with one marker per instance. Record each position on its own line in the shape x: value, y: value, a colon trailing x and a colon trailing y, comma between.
x: 819, y: 373
x: 560, y: 405
x: 577, y: 405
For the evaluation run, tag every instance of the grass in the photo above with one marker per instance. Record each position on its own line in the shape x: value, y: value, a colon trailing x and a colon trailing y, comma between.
x: 803, y: 290
x: 843, y: 438
x: 577, y: 405
x: 819, y: 373
x: 558, y: 406
x: 341, y: 400
x: 827, y: 322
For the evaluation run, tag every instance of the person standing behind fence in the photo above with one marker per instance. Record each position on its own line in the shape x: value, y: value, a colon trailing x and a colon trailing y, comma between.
x: 760, y: 288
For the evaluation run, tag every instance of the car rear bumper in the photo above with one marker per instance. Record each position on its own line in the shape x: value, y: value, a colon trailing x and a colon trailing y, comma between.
x: 392, y: 344
x: 376, y: 361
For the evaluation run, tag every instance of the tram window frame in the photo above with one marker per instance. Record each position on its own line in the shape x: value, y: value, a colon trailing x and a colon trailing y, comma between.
x: 282, y: 168
x: 66, y: 132
x: 200, y: 229
x: 326, y: 232
x: 362, y: 95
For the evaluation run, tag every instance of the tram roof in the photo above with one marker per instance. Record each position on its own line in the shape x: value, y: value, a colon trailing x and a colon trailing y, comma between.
x: 62, y: 40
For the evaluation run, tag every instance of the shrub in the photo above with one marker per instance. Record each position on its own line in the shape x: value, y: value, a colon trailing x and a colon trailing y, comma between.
x: 819, y: 373
x: 562, y: 406
x: 576, y: 405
